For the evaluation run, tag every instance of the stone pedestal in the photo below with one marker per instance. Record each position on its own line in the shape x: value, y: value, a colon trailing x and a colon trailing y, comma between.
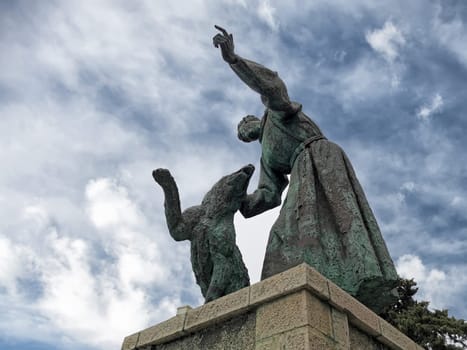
x: 298, y: 309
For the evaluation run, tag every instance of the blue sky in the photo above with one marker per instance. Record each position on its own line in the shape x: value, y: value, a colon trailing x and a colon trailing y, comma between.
x: 96, y: 94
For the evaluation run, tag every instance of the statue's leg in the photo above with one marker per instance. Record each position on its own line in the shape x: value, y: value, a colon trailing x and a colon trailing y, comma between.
x: 240, y: 277
x: 221, y: 274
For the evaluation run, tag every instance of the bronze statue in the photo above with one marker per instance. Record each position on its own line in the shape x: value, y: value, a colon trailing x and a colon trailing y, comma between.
x: 325, y: 219
x: 216, y: 260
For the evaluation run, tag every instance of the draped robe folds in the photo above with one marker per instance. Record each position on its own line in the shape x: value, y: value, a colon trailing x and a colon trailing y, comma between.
x: 325, y: 220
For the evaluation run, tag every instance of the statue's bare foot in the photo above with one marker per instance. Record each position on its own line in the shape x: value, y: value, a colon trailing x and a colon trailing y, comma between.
x: 163, y: 177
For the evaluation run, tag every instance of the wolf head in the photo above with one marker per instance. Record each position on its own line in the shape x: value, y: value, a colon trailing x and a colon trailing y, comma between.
x: 228, y: 193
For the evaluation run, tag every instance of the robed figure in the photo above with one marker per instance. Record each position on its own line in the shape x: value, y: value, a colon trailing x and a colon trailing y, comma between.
x: 325, y: 219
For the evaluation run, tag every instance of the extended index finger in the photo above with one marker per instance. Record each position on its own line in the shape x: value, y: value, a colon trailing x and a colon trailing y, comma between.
x: 221, y: 29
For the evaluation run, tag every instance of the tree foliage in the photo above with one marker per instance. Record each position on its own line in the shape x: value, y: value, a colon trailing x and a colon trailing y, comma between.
x: 432, y: 329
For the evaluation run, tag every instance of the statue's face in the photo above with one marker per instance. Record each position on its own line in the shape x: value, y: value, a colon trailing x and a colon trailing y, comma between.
x: 249, y: 130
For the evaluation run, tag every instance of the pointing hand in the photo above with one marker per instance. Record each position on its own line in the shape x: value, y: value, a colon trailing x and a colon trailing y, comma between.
x: 225, y: 41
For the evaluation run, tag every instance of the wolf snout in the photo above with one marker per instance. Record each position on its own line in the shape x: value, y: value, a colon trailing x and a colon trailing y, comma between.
x: 248, y: 169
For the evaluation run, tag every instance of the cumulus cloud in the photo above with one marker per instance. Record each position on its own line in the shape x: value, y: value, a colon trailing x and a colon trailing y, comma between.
x: 16, y: 262
x: 386, y: 41
x: 411, y: 266
x: 109, y: 205
x: 81, y: 296
x: 432, y: 108
x: 440, y: 287
x: 117, y: 217
x: 87, y: 302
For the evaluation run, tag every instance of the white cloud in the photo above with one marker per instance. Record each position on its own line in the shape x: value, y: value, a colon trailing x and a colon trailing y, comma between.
x: 15, y: 263
x: 109, y: 205
x: 411, y: 266
x: 432, y: 108
x: 366, y: 81
x: 441, y: 288
x: 386, y: 41
x: 124, y: 228
x: 267, y: 13
x: 80, y: 297
x: 92, y: 305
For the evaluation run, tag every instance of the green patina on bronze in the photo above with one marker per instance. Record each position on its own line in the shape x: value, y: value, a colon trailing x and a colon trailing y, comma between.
x: 216, y: 260
x: 325, y: 220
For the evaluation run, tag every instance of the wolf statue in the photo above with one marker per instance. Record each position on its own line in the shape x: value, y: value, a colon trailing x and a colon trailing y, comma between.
x: 216, y: 260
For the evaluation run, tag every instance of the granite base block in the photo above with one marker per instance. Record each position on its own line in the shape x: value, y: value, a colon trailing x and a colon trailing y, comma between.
x: 298, y: 309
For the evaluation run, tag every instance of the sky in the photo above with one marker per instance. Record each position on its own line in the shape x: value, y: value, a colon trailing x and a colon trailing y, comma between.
x: 94, y: 95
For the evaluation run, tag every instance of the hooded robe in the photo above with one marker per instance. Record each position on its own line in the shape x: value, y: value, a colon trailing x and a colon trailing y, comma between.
x: 325, y: 220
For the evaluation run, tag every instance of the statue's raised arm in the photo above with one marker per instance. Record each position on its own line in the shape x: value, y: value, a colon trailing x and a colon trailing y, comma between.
x: 259, y: 78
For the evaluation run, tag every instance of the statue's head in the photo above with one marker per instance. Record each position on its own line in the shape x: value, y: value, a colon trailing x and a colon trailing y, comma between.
x: 249, y: 129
